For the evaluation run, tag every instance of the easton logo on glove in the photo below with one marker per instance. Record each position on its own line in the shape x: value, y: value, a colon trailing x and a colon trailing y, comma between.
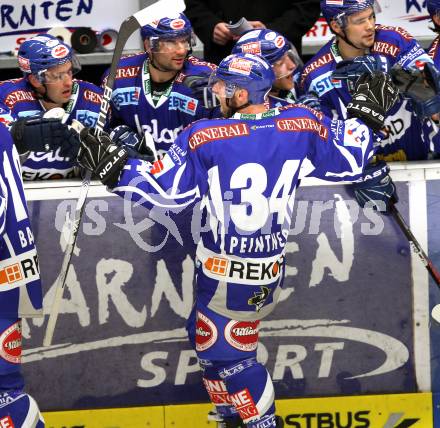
x: 111, y: 162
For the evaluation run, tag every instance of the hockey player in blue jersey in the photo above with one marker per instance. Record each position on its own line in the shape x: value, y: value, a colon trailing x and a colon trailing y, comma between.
x: 20, y: 289
x: 433, y: 7
x: 245, y: 169
x: 149, y: 93
x: 359, y: 38
x: 281, y: 55
x: 48, y: 66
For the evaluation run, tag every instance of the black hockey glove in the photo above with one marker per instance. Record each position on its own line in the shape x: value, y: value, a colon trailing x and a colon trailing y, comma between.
x: 38, y: 134
x: 201, y: 90
x: 376, y: 188
x: 101, y: 156
x: 422, y: 87
x: 374, y: 95
x: 135, y: 145
x: 350, y: 70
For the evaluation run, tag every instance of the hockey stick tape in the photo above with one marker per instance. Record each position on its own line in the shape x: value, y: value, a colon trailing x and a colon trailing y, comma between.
x: 107, y: 39
x: 61, y: 33
x: 84, y: 40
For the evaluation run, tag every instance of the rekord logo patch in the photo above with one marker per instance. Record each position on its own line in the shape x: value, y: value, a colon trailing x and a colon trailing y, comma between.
x: 183, y: 103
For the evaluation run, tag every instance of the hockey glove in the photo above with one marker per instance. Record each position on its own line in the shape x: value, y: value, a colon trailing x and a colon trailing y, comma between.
x: 201, y: 90
x: 136, y: 147
x: 39, y: 134
x: 352, y: 69
x: 422, y: 87
x: 101, y: 156
x: 374, y: 95
x: 376, y: 188
x: 310, y: 100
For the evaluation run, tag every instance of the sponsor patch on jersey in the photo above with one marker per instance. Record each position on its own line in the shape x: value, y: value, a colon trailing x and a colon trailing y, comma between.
x: 127, y: 72
x: 251, y: 48
x: 87, y: 117
x: 242, y: 335
x: 206, y: 332
x: 10, y: 343
x: 18, y: 96
x: 183, y: 103
x: 385, y: 48
x: 355, y: 134
x: 240, y: 270
x: 217, y: 392
x: 6, y: 422
x: 162, y: 166
x: 60, y: 51
x: 318, y: 63
x: 126, y: 96
x: 177, y: 24
x: 243, y: 402
x: 334, y: 2
x: 217, y: 133
x: 240, y: 66
x: 92, y: 96
x: 302, y: 124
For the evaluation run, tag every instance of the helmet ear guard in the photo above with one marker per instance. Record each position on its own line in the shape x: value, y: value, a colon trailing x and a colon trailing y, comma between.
x: 244, y: 71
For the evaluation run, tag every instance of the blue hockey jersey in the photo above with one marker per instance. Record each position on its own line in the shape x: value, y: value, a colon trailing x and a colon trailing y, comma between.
x: 18, y: 99
x: 393, y: 45
x: 133, y: 105
x: 20, y: 285
x: 245, y: 171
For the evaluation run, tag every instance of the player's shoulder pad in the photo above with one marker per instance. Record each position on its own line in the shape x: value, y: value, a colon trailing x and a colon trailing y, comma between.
x: 301, y: 110
x: 89, y: 92
x: 194, y: 65
x: 319, y: 64
x: 128, y: 67
x: 391, y: 33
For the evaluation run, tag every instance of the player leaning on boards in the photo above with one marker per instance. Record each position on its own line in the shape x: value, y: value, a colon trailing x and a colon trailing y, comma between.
x: 149, y: 94
x: 245, y: 168
x: 48, y: 67
x: 360, y: 39
x: 20, y: 289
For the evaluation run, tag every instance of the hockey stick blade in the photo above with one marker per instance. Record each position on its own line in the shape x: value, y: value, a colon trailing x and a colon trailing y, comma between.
x: 128, y: 27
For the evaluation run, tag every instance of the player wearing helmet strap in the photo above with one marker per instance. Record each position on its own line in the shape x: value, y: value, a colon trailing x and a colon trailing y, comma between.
x: 149, y: 94
x: 360, y: 40
x: 245, y: 169
x: 285, y: 61
x: 48, y: 66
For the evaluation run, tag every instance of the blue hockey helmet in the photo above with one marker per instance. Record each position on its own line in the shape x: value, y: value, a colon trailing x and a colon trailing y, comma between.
x: 245, y: 71
x: 167, y: 28
x: 266, y: 43
x: 433, y: 7
x: 339, y: 10
x: 42, y: 52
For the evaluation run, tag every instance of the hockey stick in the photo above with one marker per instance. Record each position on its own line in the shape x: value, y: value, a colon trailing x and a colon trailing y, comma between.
x: 128, y: 27
x: 416, y: 247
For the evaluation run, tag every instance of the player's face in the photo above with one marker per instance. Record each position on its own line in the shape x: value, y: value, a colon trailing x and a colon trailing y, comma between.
x: 283, y: 69
x: 360, y: 28
x: 219, y: 89
x: 58, y: 82
x: 170, y: 54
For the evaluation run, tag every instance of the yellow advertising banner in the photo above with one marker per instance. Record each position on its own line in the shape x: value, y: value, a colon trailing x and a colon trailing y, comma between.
x: 366, y: 411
